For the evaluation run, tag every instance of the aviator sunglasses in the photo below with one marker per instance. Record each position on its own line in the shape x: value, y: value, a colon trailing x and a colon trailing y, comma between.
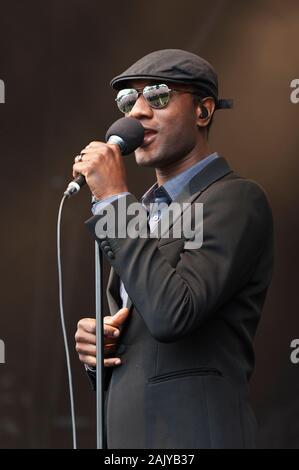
x: 157, y: 96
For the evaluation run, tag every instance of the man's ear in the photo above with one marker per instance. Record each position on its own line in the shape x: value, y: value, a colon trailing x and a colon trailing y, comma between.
x: 205, y: 110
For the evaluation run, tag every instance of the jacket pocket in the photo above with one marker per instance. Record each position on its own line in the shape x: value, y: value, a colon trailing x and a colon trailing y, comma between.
x: 178, y: 374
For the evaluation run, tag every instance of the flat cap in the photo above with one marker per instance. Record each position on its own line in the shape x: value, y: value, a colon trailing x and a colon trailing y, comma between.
x: 177, y: 66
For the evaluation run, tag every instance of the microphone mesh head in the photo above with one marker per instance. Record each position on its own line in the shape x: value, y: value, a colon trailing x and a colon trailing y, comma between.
x: 130, y: 131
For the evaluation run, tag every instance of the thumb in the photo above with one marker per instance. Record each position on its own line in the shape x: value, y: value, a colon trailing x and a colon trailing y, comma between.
x: 120, y: 317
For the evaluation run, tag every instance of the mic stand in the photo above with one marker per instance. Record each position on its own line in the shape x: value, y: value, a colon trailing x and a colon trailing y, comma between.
x: 100, y: 346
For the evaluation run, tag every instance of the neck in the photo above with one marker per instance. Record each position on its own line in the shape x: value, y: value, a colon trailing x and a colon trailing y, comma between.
x: 173, y: 169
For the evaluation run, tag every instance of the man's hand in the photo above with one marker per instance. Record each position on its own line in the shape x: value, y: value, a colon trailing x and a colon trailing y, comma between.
x: 103, y: 168
x: 86, y: 339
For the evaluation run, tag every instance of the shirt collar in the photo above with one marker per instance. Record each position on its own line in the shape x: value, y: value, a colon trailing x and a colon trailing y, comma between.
x: 173, y: 187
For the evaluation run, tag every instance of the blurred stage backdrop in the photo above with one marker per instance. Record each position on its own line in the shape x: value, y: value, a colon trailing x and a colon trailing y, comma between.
x: 56, y: 60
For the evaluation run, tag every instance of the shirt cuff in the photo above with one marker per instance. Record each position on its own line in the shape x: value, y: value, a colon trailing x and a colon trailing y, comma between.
x: 93, y: 370
x: 100, y: 205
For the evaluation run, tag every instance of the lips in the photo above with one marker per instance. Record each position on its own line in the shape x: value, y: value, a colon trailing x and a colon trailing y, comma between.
x: 149, y: 136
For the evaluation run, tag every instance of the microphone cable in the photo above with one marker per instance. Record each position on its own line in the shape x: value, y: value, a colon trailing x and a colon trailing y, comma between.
x: 66, y: 346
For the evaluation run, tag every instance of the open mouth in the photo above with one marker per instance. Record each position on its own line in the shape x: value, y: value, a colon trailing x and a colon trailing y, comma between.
x: 149, y: 136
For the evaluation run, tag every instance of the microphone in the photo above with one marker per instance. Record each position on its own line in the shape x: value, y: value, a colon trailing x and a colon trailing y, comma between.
x: 127, y: 133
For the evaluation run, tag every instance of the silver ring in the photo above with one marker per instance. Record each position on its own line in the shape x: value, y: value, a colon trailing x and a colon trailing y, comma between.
x: 78, y: 158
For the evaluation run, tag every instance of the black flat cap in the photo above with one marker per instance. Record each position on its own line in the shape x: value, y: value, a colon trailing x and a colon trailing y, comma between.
x: 177, y: 66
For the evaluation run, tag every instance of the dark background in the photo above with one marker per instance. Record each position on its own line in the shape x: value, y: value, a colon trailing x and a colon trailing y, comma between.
x: 56, y: 59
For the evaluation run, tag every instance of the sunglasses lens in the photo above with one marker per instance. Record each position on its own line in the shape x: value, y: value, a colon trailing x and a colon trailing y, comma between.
x: 157, y: 96
x: 126, y: 99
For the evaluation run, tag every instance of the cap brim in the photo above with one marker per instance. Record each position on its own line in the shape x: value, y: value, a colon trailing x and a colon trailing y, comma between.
x: 118, y: 82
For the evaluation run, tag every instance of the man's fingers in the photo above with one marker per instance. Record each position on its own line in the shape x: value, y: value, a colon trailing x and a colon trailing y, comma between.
x: 109, y: 349
x: 86, y: 349
x: 108, y: 362
x: 120, y: 317
x: 88, y: 325
x: 83, y: 337
x: 87, y: 329
x: 86, y: 339
x: 90, y: 350
x: 112, y: 362
x: 93, y: 145
x: 110, y: 331
x: 80, y: 168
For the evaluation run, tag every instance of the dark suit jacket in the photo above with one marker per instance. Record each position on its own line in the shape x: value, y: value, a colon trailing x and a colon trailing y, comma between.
x: 187, y: 346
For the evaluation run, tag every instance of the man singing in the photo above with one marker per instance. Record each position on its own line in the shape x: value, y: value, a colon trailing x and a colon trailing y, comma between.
x: 178, y: 341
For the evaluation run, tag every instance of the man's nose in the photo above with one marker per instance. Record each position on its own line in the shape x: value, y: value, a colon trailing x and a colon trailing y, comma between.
x: 141, y: 109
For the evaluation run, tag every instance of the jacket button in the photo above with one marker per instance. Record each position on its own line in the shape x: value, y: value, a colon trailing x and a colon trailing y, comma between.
x: 110, y: 254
